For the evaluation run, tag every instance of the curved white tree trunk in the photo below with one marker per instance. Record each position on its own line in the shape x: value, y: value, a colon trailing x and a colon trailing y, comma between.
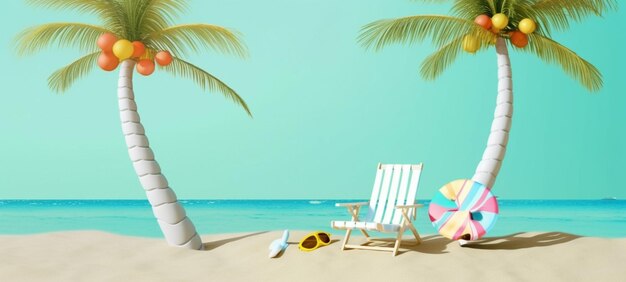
x: 176, y: 227
x: 489, y: 166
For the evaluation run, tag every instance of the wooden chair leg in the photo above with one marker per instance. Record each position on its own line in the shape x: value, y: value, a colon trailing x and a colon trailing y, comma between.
x: 407, y: 222
x: 418, y: 239
x: 367, y: 236
x: 398, y: 241
x: 345, y: 239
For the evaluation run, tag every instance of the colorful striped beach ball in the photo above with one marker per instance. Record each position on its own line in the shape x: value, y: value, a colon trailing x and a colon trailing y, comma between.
x: 463, y: 209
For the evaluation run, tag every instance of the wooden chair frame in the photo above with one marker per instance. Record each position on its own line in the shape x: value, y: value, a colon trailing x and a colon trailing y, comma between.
x: 408, y: 212
x: 353, y: 208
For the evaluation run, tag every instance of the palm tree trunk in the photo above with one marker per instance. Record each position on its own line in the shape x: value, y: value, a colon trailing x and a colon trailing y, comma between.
x: 489, y: 166
x: 176, y: 227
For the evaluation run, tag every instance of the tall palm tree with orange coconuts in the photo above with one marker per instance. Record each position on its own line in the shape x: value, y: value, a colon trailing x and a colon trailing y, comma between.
x: 480, y: 24
x: 133, y: 35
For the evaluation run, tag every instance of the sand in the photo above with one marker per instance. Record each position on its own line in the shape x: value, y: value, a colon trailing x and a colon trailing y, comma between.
x: 99, y: 256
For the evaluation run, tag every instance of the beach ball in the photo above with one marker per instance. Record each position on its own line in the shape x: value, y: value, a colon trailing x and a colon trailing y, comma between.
x: 163, y: 58
x: 484, y: 21
x: 106, y: 41
x: 107, y: 61
x: 500, y: 21
x: 519, y: 39
x: 463, y: 209
x: 470, y: 43
x: 527, y: 26
x: 145, y: 67
x: 138, y: 49
x: 123, y: 49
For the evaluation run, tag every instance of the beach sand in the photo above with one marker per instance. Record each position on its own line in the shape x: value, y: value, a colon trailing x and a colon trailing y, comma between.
x: 100, y: 256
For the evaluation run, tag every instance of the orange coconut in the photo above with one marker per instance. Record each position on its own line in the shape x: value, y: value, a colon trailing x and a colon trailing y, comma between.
x: 163, y: 58
x: 107, y: 61
x: 484, y: 21
x: 106, y: 41
x: 519, y: 39
x: 138, y: 49
x: 145, y: 67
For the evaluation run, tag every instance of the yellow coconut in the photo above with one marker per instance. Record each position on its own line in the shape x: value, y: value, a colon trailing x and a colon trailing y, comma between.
x: 123, y: 49
x: 527, y: 26
x: 500, y: 21
x: 470, y: 43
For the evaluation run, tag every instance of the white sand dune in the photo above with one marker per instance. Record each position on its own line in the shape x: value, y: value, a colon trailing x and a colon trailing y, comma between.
x: 99, y: 256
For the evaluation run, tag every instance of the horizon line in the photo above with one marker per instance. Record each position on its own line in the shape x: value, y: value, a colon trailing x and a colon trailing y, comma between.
x: 279, y: 199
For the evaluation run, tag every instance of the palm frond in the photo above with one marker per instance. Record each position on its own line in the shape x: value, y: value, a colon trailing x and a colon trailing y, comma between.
x: 194, y: 36
x: 107, y: 10
x: 145, y: 16
x: 441, y: 29
x: 205, y: 80
x: 63, y: 78
x: 470, y: 9
x: 158, y: 15
x: 36, y: 38
x: 558, y: 14
x: 576, y: 67
x: 436, y: 63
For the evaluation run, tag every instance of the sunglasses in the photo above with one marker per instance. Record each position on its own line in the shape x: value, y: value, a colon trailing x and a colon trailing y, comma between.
x: 314, y: 241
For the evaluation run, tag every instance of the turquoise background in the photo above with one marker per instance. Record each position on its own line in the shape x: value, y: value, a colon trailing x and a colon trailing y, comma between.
x: 326, y: 111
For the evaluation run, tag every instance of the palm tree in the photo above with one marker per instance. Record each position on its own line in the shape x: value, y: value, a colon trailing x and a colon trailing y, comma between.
x: 148, y: 21
x: 450, y: 35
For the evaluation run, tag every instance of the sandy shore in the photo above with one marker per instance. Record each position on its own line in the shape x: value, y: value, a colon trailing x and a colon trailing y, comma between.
x: 99, y: 256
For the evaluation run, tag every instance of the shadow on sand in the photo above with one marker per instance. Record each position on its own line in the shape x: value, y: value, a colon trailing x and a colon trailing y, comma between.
x: 432, y: 244
x: 296, y: 244
x: 515, y: 242
x: 216, y: 244
x: 435, y: 244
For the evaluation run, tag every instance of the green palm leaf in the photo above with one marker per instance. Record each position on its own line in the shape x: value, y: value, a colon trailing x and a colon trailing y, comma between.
x: 194, y: 36
x: 469, y: 9
x: 578, y: 68
x: 558, y: 13
x: 442, y: 29
x: 63, y: 78
x: 142, y: 17
x: 436, y: 63
x: 81, y: 35
x: 107, y: 10
x: 158, y: 15
x: 205, y: 80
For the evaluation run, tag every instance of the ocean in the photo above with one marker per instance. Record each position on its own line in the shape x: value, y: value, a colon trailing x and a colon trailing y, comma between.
x: 598, y: 218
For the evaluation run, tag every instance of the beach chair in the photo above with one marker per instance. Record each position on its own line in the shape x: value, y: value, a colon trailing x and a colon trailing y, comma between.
x: 391, y: 208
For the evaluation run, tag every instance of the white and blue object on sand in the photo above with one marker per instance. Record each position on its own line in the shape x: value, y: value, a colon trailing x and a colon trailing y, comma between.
x: 279, y: 245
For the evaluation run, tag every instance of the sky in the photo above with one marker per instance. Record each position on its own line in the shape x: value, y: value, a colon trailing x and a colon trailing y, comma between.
x: 326, y: 111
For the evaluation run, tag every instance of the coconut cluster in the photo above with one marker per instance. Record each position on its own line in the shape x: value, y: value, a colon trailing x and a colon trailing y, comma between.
x: 495, y: 24
x: 115, y: 50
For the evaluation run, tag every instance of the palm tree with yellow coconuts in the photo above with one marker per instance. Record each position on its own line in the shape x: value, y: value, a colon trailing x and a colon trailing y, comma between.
x: 134, y: 34
x: 479, y: 24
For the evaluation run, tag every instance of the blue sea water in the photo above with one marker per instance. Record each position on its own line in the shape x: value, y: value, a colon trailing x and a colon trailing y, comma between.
x: 600, y: 218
